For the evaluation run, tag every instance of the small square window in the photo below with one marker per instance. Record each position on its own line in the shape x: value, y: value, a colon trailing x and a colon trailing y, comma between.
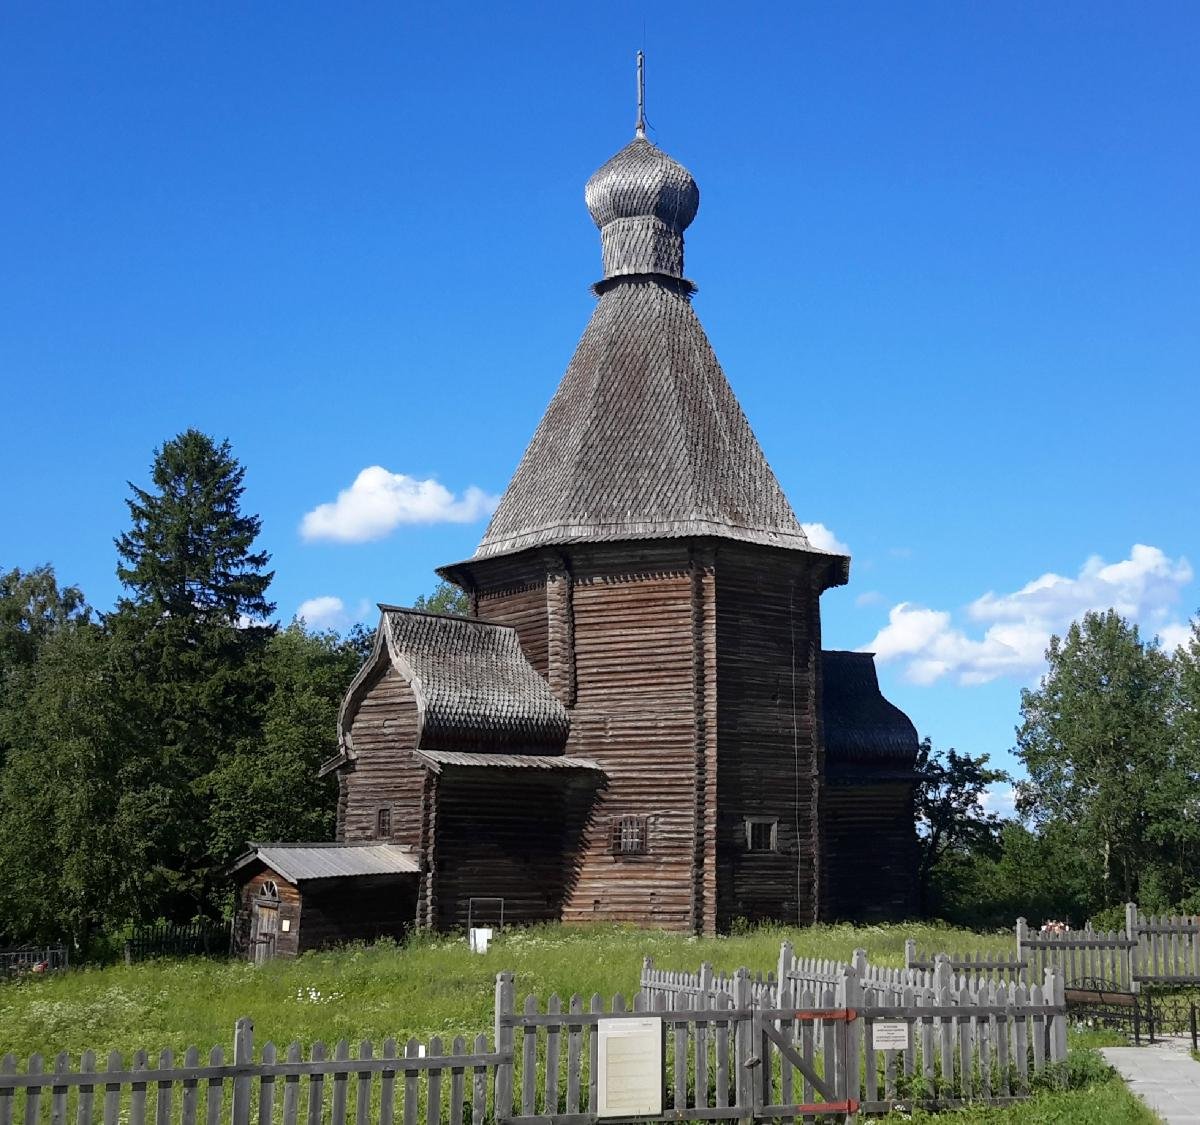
x: 630, y: 836
x: 383, y: 823
x: 762, y: 834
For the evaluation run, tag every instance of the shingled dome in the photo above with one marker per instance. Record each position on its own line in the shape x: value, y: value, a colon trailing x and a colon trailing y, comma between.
x: 644, y: 438
x: 642, y: 201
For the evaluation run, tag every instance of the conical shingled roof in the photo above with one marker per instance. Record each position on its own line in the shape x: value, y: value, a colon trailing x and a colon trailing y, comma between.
x: 644, y: 438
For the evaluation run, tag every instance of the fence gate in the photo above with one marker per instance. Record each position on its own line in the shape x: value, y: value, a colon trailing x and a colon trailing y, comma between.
x: 817, y: 1057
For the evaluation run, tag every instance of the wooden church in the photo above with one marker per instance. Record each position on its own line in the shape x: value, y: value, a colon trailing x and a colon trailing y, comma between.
x: 637, y: 721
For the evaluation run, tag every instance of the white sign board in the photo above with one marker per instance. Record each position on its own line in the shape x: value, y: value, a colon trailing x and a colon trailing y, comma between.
x: 479, y: 939
x: 630, y: 1064
x: 889, y: 1035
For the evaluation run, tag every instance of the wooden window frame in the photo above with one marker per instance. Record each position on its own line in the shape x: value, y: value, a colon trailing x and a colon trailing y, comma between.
x: 629, y: 836
x: 383, y: 813
x: 750, y: 823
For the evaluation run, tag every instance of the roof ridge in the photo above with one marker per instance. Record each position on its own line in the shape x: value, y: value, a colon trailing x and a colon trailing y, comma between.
x: 384, y: 607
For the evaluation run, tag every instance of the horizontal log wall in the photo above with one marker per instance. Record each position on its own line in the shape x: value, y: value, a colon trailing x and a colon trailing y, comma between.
x: 636, y: 715
x: 871, y: 848
x: 384, y: 772
x: 767, y: 640
x: 364, y: 909
x: 522, y: 606
x: 506, y: 834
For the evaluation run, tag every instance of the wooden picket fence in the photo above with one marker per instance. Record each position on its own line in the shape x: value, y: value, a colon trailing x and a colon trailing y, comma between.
x: 992, y: 966
x: 967, y: 1039
x: 202, y: 938
x: 1149, y: 950
x: 725, y: 1057
x: 411, y: 1082
x: 20, y: 960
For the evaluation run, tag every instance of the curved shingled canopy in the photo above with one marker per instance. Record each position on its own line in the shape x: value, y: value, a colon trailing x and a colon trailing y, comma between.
x: 861, y: 726
x: 473, y: 686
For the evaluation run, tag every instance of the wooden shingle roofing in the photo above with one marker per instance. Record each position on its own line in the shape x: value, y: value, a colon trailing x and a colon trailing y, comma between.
x: 472, y: 683
x: 644, y: 438
x: 862, y: 726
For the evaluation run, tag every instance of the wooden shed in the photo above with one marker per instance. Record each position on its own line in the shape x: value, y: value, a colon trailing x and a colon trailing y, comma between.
x: 296, y: 897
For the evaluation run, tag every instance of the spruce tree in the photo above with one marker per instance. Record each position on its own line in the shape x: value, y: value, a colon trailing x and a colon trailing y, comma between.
x: 188, y: 642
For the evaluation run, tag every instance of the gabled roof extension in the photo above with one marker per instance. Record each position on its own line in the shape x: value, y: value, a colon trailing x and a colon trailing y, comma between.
x: 472, y: 682
x: 473, y: 687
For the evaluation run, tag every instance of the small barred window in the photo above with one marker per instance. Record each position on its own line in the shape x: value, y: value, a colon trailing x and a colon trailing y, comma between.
x: 630, y: 836
x: 762, y: 834
x: 383, y: 823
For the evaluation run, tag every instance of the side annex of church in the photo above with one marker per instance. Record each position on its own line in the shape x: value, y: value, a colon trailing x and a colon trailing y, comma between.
x: 637, y: 721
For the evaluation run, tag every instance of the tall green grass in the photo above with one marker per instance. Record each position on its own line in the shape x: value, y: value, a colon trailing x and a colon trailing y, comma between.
x: 428, y: 986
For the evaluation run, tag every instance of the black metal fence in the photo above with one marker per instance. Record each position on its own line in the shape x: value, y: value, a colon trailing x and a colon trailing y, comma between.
x: 169, y: 939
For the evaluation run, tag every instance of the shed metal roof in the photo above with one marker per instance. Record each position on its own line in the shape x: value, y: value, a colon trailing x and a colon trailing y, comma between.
x: 299, y: 862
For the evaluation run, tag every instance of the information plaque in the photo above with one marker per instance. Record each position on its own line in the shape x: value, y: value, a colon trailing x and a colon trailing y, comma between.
x: 889, y: 1035
x: 629, y: 1060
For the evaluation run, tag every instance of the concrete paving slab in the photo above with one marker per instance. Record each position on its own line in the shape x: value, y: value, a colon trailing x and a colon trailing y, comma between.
x: 1166, y: 1079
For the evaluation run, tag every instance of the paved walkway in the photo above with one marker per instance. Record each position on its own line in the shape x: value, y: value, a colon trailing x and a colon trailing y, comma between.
x: 1166, y: 1078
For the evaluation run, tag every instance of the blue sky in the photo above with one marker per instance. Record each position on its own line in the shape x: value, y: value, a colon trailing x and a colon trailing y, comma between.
x: 948, y: 254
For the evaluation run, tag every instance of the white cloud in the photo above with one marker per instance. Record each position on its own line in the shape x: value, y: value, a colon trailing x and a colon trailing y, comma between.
x: 1173, y: 634
x: 325, y: 612
x: 823, y: 539
x: 1000, y: 799
x: 1143, y: 587
x: 379, y: 501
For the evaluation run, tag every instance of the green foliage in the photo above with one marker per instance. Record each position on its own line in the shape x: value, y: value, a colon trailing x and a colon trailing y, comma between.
x: 60, y: 808
x: 432, y: 985
x: 188, y: 554
x: 32, y: 609
x: 446, y: 598
x: 1102, y: 744
x: 269, y: 789
x: 1035, y: 874
x: 187, y: 652
x: 951, y: 818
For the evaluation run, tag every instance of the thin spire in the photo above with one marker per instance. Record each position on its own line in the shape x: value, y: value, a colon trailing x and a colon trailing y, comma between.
x: 641, y: 87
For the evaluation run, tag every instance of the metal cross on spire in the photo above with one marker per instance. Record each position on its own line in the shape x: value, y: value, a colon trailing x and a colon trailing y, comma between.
x: 641, y: 87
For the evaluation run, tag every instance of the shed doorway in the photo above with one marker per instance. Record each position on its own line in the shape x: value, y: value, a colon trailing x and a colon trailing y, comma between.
x: 264, y: 923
